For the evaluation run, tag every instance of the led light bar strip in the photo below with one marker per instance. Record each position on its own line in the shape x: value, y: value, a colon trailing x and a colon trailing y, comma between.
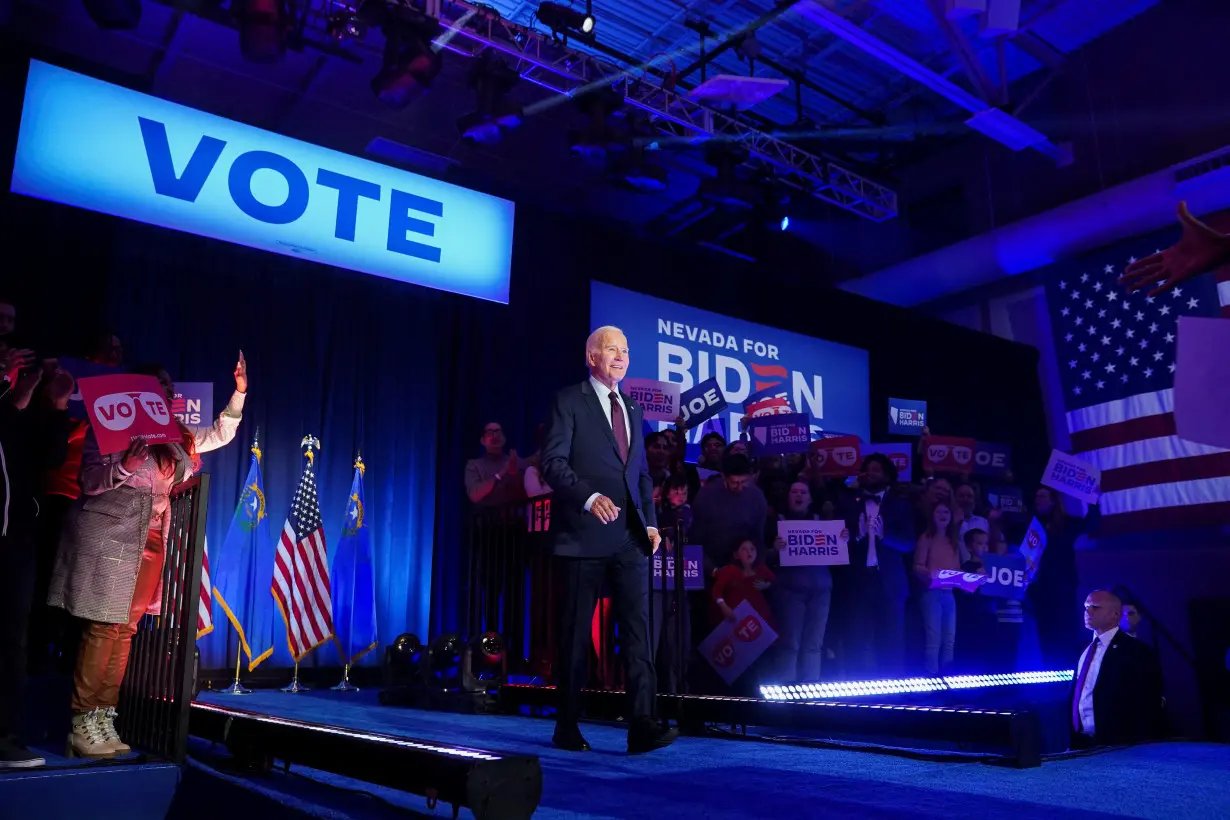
x: 817, y: 691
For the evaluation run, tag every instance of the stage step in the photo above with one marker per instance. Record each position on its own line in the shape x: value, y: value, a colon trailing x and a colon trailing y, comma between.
x: 100, y: 791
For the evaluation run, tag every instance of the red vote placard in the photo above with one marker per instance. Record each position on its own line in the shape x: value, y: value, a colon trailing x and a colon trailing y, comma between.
x: 837, y: 457
x: 126, y: 406
x: 948, y: 454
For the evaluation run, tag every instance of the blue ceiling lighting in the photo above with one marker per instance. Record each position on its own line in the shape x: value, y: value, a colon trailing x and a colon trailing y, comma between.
x: 907, y: 686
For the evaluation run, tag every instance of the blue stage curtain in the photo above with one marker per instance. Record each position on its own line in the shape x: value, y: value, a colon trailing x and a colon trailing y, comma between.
x: 351, y: 359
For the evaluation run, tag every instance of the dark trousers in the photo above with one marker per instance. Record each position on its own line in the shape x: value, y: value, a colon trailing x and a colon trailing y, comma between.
x: 580, y: 580
x: 875, y: 619
x: 17, y: 562
x: 52, y: 630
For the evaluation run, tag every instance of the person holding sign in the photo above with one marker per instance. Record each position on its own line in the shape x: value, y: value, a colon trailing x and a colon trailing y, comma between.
x: 800, y: 600
x: 937, y: 550
x: 743, y: 580
x: 108, y: 570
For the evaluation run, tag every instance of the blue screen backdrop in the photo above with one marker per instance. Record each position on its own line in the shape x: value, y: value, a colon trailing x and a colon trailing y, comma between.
x: 676, y: 343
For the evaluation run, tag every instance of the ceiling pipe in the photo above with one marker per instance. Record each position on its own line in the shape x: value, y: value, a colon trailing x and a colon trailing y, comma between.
x: 1138, y: 207
x: 994, y: 123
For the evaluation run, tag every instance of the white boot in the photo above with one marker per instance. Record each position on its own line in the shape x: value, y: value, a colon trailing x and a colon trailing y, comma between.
x: 106, y: 720
x: 87, y: 739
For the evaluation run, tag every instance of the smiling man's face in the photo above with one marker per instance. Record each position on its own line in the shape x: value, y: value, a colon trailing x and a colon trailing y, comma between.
x: 608, y: 359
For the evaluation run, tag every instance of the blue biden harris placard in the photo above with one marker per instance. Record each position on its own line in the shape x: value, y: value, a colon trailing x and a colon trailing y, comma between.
x: 677, y: 343
x: 94, y: 145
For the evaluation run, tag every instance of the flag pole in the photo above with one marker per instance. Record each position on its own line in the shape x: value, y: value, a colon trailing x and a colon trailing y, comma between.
x: 237, y: 688
x: 295, y: 686
x: 345, y: 685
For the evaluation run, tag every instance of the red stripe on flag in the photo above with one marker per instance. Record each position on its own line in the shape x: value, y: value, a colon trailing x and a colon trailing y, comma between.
x: 1192, y: 468
x: 1165, y: 518
x: 1124, y: 432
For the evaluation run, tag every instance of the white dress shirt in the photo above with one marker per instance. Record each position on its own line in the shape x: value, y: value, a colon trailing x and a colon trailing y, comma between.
x: 1085, y: 702
x: 604, y: 398
x: 873, y: 509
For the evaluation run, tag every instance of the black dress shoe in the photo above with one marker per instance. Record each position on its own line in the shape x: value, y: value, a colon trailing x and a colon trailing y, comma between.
x: 647, y: 736
x: 569, y: 739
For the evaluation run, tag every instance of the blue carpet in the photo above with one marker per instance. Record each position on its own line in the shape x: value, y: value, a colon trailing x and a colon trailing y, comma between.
x: 717, y: 778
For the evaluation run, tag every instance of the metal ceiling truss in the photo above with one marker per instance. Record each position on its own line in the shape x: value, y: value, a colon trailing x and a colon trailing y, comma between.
x: 546, y: 62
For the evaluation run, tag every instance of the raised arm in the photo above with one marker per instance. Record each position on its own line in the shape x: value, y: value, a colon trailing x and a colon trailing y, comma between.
x: 224, y: 429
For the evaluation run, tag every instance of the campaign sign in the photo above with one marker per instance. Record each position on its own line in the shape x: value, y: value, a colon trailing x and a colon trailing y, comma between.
x: 701, y: 403
x: 837, y: 456
x: 194, y: 403
x: 956, y: 579
x: 673, y: 342
x: 659, y: 400
x: 124, y: 407
x: 1008, y: 499
x: 991, y: 459
x: 906, y: 417
x: 733, y: 647
x: 693, y: 558
x: 813, y: 543
x: 774, y: 434
x: 1032, y: 547
x: 82, y: 369
x: 901, y: 455
x: 1006, y: 576
x: 98, y: 146
x: 948, y: 454
x: 768, y: 402
x: 1074, y: 476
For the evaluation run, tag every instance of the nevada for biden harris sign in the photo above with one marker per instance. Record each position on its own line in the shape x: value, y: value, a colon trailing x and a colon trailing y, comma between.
x: 681, y: 344
x: 94, y: 145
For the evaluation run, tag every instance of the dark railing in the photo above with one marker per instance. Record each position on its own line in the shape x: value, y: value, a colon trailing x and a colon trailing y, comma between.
x: 511, y: 590
x: 158, y: 687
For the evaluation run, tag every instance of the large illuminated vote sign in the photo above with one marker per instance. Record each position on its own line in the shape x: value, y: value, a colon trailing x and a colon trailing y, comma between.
x: 676, y: 343
x: 94, y: 145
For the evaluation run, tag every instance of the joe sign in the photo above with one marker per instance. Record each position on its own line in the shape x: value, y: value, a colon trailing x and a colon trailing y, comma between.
x: 733, y: 647
x: 659, y: 400
x: 813, y: 543
x: 1005, y: 576
x: 1071, y: 475
x: 124, y: 407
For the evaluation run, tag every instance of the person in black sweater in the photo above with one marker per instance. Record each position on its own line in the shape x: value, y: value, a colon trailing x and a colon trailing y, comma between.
x: 33, y: 438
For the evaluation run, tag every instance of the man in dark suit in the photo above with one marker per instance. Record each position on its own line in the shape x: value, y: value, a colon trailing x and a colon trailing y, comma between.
x: 874, y: 587
x: 604, y: 527
x: 1116, y: 696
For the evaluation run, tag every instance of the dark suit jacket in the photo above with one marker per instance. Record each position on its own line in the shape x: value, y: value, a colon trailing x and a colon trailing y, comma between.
x: 580, y: 458
x: 898, y: 518
x: 1127, y: 698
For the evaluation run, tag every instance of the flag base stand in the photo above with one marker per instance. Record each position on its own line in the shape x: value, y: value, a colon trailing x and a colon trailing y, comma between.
x: 236, y: 688
x: 345, y: 685
x: 295, y: 687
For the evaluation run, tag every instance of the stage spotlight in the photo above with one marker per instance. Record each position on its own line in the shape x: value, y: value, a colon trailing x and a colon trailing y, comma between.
x: 563, y: 20
x: 411, y: 61
x: 444, y: 662
x: 114, y: 14
x: 598, y: 139
x: 491, y: 78
x: 485, y: 664
x: 403, y: 661
x: 263, y: 25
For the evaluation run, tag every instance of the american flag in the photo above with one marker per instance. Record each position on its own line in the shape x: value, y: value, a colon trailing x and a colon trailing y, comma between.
x: 301, y: 571
x: 1116, y: 355
x: 205, y: 612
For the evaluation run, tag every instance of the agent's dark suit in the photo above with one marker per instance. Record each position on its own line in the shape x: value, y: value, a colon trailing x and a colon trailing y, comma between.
x: 1127, y: 695
x: 580, y: 457
x: 873, y: 598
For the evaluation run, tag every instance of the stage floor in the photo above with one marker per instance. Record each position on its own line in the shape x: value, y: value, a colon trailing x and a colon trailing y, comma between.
x: 718, y: 778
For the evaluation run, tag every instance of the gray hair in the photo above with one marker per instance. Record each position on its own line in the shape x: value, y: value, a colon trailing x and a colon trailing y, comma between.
x: 595, y: 338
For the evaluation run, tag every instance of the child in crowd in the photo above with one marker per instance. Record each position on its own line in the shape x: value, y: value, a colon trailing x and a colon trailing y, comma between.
x: 976, y: 612
x: 674, y: 523
x: 742, y: 580
x: 937, y: 550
